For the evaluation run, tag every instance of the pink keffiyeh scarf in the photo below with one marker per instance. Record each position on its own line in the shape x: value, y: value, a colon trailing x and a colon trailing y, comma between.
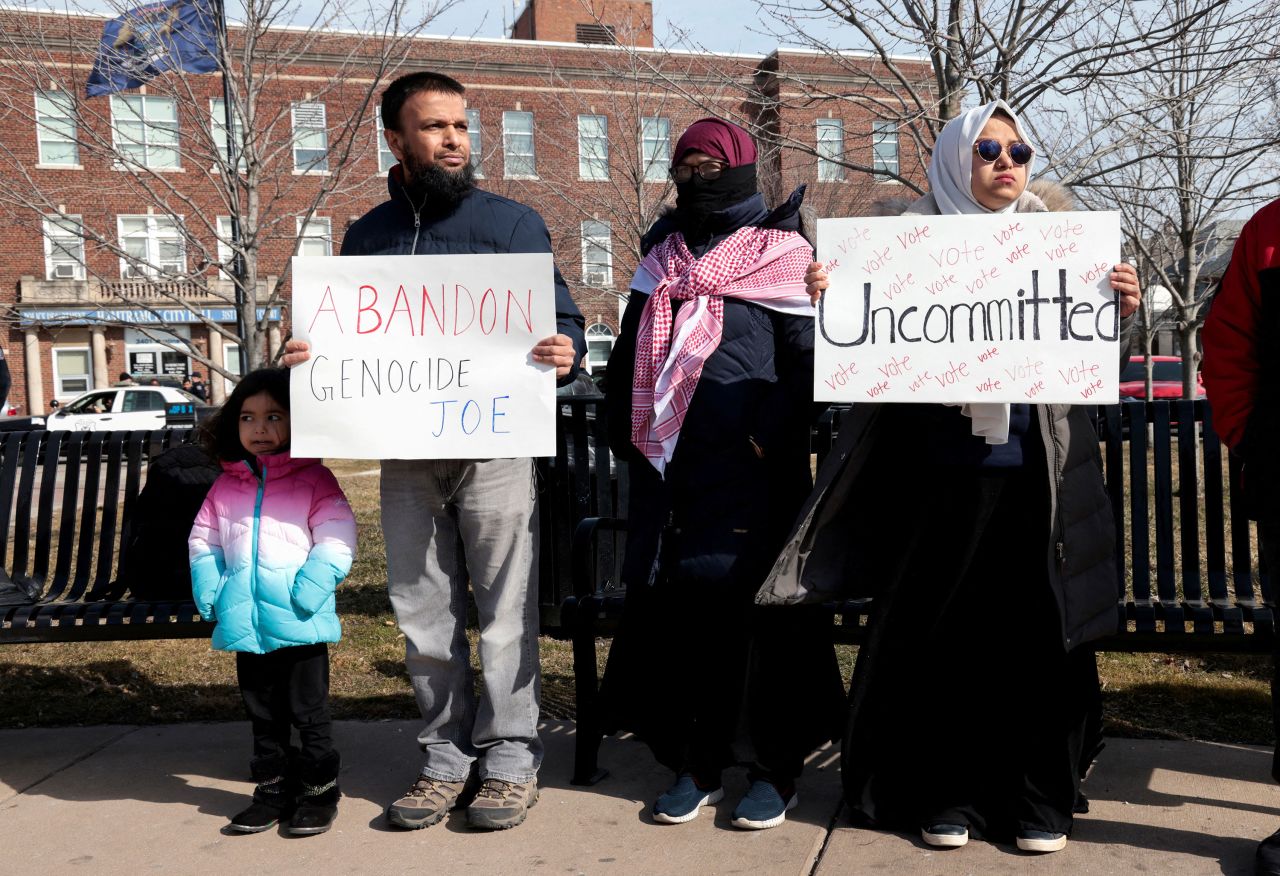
x: 763, y: 266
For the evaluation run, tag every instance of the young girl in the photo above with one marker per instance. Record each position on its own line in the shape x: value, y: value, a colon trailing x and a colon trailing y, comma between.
x: 268, y: 548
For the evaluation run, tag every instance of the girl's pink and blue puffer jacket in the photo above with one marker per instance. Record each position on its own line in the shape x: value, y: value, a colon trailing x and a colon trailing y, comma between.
x: 267, y: 553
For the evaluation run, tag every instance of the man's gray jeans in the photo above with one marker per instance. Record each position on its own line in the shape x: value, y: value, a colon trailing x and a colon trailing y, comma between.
x: 447, y: 523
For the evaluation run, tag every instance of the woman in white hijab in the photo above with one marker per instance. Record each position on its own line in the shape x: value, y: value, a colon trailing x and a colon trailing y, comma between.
x: 971, y: 694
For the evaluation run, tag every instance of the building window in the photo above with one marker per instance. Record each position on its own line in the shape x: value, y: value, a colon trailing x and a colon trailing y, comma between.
x: 225, y: 254
x: 600, y: 340
x: 218, y: 125
x: 517, y: 145
x: 473, y: 134
x: 310, y: 138
x: 56, y: 129
x: 830, y: 150
x: 884, y: 148
x: 72, y: 371
x: 149, y: 356
x: 386, y: 158
x: 146, y: 130
x: 63, y: 248
x: 593, y: 147
x: 597, y: 254
x: 655, y: 147
x: 231, y: 360
x: 153, y: 245
x: 315, y: 238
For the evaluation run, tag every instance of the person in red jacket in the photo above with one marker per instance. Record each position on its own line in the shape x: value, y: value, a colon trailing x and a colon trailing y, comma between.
x: 1242, y: 378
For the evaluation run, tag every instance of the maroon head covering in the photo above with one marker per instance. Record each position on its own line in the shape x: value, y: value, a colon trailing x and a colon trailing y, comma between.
x: 719, y: 139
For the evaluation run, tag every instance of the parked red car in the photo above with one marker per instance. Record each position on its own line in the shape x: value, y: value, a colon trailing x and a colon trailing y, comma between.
x: 1166, y: 378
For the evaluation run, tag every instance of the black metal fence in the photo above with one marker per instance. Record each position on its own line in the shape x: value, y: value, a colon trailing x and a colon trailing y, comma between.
x: 1187, y: 554
x: 1191, y: 574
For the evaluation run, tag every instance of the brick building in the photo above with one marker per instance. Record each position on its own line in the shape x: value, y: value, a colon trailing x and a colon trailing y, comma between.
x: 116, y: 212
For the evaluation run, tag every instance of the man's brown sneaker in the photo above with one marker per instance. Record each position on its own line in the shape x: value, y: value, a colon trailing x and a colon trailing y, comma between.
x: 499, y: 804
x: 427, y: 802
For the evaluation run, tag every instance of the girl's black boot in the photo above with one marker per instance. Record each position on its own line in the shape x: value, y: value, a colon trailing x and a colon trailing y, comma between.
x: 317, y: 802
x: 272, y: 798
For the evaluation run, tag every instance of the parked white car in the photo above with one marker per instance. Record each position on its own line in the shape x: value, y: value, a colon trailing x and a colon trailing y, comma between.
x: 120, y: 408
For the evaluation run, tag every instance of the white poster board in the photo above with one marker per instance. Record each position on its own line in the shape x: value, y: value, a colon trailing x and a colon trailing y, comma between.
x: 995, y: 308
x: 423, y: 357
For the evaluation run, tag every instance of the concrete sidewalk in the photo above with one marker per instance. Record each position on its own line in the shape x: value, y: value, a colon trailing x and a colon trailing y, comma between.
x: 129, y: 799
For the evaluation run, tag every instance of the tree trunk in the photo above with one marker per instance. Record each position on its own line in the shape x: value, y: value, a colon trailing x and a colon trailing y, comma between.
x: 1188, y: 333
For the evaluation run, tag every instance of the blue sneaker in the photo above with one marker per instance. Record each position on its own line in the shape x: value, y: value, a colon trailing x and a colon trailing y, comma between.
x: 763, y: 807
x: 681, y: 802
x: 945, y: 836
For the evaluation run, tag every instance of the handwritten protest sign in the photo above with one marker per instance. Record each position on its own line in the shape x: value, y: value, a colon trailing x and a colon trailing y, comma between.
x: 423, y: 357
x: 1001, y: 308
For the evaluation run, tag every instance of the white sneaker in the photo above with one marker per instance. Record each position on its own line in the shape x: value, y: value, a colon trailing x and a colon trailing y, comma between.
x: 1041, y: 841
x: 945, y: 836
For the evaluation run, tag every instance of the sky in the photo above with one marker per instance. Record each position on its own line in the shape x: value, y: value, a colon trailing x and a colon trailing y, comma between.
x: 678, y: 24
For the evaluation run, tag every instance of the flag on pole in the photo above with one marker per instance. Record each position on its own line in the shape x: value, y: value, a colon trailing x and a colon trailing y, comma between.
x: 152, y: 39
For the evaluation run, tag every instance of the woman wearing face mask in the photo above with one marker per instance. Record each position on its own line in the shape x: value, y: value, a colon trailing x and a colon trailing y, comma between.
x: 709, y: 401
x: 986, y: 536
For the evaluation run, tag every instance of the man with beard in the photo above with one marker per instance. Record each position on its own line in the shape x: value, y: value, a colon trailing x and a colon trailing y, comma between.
x: 449, y: 521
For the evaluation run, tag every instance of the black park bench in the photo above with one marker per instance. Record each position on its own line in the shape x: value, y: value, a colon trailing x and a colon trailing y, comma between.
x: 1186, y: 554
x: 66, y: 499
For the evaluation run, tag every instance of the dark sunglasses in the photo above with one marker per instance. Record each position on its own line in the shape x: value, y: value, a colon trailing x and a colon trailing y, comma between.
x: 989, y: 150
x: 708, y: 170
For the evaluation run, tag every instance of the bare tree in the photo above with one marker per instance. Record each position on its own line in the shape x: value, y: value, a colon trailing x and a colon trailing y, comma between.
x: 1165, y: 111
x: 617, y: 140
x: 919, y: 60
x: 1182, y: 141
x: 168, y: 142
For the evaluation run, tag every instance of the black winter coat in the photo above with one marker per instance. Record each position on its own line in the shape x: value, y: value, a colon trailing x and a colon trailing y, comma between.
x: 155, y: 565
x: 826, y: 555
x: 725, y: 510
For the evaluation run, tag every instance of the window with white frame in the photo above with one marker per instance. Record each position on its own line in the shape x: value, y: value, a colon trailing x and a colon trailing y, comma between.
x: 884, y: 147
x: 597, y: 253
x: 154, y: 246
x: 225, y: 253
x: 72, y: 371
x: 600, y: 340
x: 56, y: 129
x: 310, y: 138
x: 830, y: 150
x: 517, y: 145
x: 315, y: 237
x: 386, y: 158
x: 145, y: 130
x: 218, y: 125
x: 63, y: 248
x: 477, y: 142
x: 231, y: 359
x: 593, y: 147
x: 655, y: 147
